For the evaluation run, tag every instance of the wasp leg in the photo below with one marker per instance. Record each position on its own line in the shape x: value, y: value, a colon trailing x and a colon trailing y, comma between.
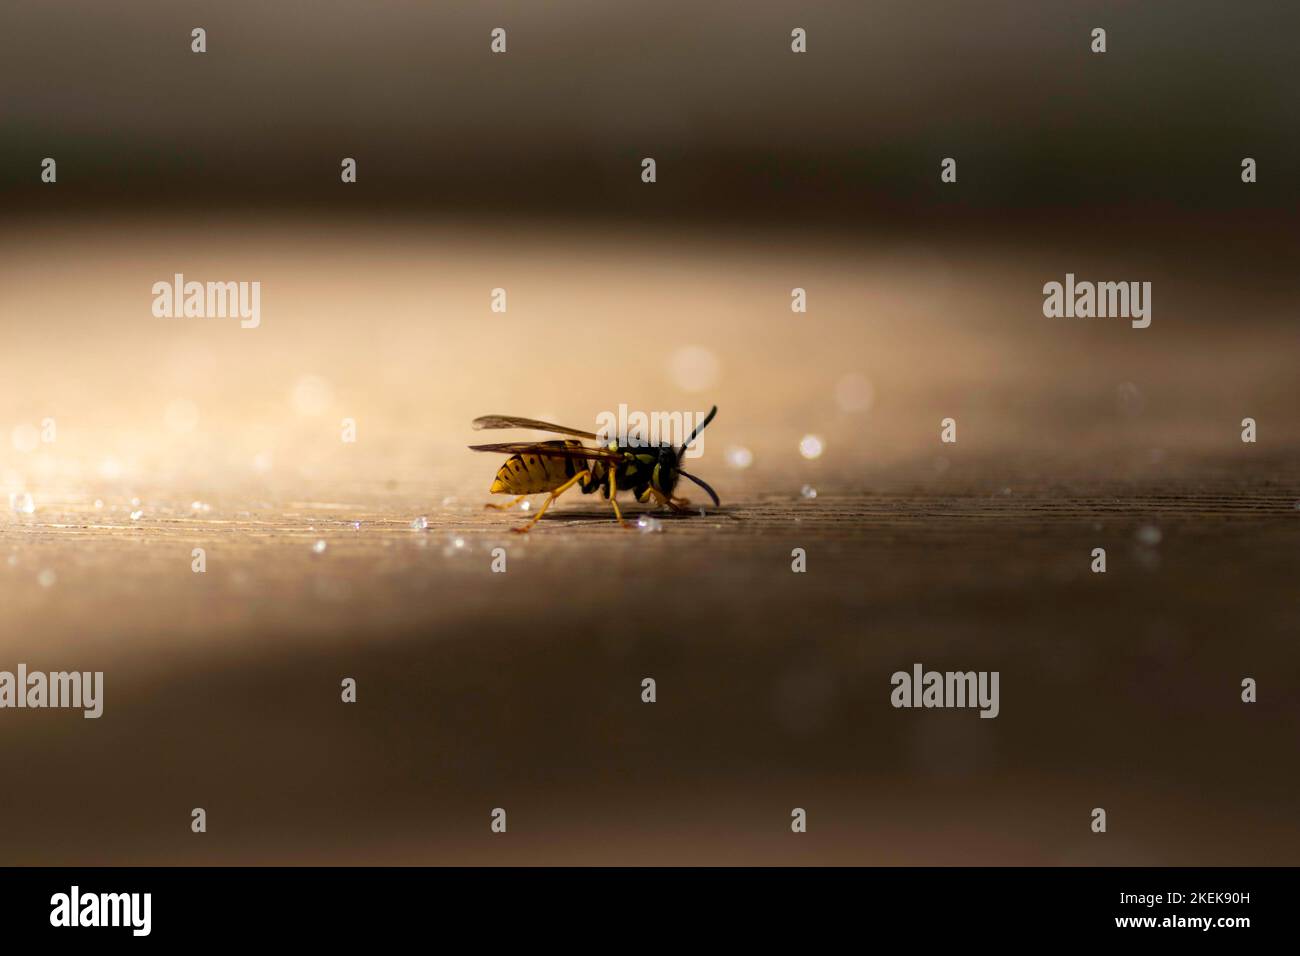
x: 676, y: 504
x: 547, y: 503
x: 613, y: 497
x: 505, y: 507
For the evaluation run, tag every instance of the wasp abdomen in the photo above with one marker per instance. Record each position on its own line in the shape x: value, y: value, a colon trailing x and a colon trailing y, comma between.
x: 532, y: 473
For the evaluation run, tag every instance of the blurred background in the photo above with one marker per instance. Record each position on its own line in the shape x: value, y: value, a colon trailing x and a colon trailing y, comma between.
x: 775, y: 170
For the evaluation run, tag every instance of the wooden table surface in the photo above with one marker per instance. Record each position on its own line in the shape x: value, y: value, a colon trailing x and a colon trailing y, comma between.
x: 522, y: 690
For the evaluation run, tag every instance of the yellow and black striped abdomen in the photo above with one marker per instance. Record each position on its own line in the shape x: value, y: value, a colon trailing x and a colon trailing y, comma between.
x: 531, y: 473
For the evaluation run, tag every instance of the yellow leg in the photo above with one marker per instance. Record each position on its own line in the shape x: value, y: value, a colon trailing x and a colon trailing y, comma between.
x: 676, y: 504
x: 505, y: 507
x: 547, y: 503
x: 613, y: 495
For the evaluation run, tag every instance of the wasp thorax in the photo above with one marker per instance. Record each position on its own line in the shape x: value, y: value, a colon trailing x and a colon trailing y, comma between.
x: 632, y: 428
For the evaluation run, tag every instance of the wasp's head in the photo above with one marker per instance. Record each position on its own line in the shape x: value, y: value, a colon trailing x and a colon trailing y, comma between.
x: 669, y: 466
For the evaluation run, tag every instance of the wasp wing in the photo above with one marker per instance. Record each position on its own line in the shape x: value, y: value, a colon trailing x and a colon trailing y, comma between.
x: 510, y: 421
x: 550, y: 450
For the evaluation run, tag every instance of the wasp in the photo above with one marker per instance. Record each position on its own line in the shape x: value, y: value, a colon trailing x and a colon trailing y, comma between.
x: 556, y: 465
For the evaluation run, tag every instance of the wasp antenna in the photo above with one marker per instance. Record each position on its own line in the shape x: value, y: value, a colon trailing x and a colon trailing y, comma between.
x: 712, y: 494
x: 699, y: 428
